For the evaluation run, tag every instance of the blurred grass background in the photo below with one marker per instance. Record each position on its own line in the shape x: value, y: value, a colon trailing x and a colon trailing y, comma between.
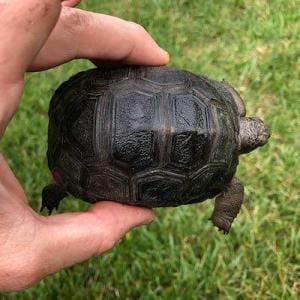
x: 255, y: 46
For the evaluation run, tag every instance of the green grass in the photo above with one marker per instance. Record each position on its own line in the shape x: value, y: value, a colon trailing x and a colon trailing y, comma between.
x: 255, y: 46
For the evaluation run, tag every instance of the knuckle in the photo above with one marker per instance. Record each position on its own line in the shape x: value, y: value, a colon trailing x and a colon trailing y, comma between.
x: 44, y: 8
x: 108, y: 241
x: 138, y: 29
x: 108, y: 231
x: 107, y: 244
x: 74, y: 20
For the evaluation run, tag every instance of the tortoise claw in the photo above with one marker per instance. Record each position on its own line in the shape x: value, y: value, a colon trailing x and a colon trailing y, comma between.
x: 50, y: 209
x: 42, y: 208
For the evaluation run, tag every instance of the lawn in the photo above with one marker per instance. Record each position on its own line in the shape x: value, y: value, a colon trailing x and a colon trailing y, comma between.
x: 255, y: 45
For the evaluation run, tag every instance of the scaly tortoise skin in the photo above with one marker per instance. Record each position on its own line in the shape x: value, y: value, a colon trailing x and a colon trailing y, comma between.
x: 149, y: 136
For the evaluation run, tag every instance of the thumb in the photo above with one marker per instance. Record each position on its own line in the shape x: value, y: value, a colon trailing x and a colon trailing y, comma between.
x: 74, y: 237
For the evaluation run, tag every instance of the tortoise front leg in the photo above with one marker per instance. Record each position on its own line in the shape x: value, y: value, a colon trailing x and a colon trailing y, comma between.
x: 51, y: 196
x: 228, y: 205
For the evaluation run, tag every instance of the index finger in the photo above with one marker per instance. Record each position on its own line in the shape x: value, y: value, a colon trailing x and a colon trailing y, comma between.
x: 100, y: 38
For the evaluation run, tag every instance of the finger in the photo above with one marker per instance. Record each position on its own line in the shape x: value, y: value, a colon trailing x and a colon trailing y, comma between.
x: 75, y: 237
x: 25, y: 26
x: 81, y: 34
x: 71, y: 3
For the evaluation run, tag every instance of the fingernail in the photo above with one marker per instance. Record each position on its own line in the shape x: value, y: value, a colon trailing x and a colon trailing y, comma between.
x: 166, y: 53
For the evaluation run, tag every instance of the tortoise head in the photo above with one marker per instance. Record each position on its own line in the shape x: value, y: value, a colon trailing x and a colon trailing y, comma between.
x: 253, y: 134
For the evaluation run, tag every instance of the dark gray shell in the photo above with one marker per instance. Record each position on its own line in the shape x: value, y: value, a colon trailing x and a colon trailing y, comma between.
x: 149, y: 136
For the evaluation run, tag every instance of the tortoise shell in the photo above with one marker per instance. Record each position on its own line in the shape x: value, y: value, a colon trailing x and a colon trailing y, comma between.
x: 150, y: 136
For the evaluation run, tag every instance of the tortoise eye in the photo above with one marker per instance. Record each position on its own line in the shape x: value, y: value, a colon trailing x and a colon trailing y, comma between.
x: 56, y: 176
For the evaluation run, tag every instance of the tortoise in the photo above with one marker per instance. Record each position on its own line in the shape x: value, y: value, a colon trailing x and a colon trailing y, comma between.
x: 149, y: 136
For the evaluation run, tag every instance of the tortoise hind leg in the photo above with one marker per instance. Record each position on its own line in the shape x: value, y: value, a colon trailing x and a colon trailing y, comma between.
x: 228, y: 205
x: 51, y: 196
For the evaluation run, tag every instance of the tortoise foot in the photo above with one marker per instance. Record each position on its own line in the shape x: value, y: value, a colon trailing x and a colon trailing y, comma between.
x: 51, y: 196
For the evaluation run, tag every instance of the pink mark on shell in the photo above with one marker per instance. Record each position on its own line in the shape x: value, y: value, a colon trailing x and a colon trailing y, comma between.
x: 56, y: 176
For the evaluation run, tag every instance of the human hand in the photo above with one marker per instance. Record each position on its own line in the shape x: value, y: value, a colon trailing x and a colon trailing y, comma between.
x: 36, y: 35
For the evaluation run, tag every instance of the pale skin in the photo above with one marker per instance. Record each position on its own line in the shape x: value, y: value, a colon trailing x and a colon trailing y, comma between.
x: 37, y: 35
